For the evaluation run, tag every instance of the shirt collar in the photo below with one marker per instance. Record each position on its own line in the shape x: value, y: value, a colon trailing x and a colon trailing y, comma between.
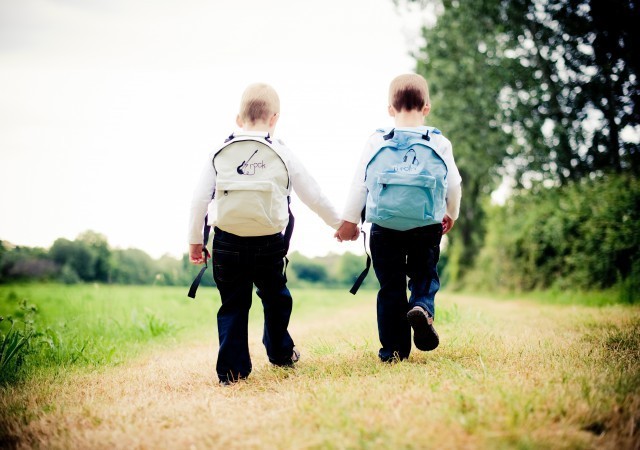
x: 261, y: 134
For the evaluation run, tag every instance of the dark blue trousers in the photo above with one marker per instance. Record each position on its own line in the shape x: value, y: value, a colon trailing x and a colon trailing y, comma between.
x: 396, y: 256
x: 238, y: 264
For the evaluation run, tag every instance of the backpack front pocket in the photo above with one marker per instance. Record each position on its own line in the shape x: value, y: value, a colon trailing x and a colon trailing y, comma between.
x: 250, y: 208
x: 407, y: 196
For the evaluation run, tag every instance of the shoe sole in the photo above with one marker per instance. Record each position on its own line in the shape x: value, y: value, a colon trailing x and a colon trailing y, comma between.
x: 424, y: 335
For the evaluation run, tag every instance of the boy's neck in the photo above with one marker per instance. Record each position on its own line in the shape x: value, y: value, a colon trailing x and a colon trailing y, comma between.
x: 263, y: 128
x: 409, y: 119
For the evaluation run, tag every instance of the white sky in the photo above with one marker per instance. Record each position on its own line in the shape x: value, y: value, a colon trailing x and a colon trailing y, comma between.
x: 108, y: 108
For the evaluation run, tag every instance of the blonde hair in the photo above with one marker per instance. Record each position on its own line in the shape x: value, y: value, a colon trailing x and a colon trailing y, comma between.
x: 408, y: 92
x: 259, y: 102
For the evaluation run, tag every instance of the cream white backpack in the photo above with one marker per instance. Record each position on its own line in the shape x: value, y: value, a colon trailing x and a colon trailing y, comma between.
x: 251, y: 196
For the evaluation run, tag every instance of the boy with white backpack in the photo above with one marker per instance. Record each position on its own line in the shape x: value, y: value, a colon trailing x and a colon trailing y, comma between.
x: 244, y: 191
x: 409, y: 186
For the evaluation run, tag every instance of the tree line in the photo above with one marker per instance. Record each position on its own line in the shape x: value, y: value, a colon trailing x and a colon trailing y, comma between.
x: 90, y: 259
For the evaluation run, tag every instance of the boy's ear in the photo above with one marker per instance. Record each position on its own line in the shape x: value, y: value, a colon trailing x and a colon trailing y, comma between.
x: 273, y: 120
x: 392, y: 111
x: 239, y: 121
x: 426, y: 110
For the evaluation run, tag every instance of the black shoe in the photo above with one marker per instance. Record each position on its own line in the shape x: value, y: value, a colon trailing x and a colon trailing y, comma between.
x: 392, y: 359
x: 424, y: 335
x: 295, y: 357
x: 228, y: 381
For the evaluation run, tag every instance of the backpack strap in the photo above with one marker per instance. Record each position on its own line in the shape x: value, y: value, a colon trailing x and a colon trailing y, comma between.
x: 365, y: 272
x: 288, y: 231
x: 424, y: 136
x: 207, y: 255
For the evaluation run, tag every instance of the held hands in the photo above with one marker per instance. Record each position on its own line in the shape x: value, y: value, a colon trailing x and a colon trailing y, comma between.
x: 196, y: 255
x: 447, y: 224
x: 348, y: 231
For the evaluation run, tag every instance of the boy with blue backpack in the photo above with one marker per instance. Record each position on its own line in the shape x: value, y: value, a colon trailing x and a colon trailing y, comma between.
x: 244, y: 193
x: 409, y: 188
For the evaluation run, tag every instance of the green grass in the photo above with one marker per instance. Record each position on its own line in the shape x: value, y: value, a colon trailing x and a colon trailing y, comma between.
x: 96, y: 325
x: 567, y: 297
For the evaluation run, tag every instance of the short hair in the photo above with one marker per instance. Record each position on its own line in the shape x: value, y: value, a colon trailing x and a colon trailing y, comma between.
x: 408, y: 92
x: 259, y: 102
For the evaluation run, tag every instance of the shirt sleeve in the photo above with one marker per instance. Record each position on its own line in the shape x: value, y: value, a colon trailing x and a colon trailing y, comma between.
x: 454, y: 182
x: 309, y: 191
x: 454, y: 195
x: 357, y: 196
x: 200, y: 201
x: 453, y: 174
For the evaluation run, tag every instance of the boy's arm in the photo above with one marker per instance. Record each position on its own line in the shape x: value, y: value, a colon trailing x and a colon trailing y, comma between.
x: 454, y: 187
x: 357, y: 195
x: 196, y: 255
x: 447, y: 224
x: 309, y: 191
x: 199, y: 202
x: 454, y: 195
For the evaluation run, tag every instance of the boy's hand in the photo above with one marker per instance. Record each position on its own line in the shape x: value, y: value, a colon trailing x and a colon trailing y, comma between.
x: 447, y: 224
x: 348, y: 231
x: 196, y: 256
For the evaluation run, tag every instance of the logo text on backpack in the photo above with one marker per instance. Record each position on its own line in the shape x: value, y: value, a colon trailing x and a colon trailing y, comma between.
x: 250, y: 169
x: 409, y: 164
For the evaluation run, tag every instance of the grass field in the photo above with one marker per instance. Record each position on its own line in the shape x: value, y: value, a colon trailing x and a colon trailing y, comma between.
x: 133, y: 367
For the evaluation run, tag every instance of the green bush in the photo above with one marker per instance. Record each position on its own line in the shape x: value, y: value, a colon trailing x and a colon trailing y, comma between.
x: 580, y: 236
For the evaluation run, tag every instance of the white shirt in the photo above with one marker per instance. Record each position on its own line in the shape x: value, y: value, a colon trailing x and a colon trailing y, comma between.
x: 357, y: 197
x: 302, y: 183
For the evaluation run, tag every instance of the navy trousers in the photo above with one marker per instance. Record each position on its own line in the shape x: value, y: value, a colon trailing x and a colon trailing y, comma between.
x: 238, y: 264
x: 396, y: 256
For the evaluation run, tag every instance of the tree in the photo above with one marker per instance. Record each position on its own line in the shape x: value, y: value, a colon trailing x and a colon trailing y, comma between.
x: 132, y: 266
x: 541, y: 90
x: 88, y: 256
x: 307, y: 269
x: 574, y: 101
x: 99, y: 247
x: 75, y: 257
x: 462, y: 63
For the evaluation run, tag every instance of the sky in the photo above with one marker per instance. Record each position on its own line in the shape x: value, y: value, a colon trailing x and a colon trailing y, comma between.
x: 108, y: 109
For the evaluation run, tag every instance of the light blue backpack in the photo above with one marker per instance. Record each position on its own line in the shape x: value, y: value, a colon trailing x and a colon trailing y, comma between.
x: 406, y: 183
x: 406, y: 180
